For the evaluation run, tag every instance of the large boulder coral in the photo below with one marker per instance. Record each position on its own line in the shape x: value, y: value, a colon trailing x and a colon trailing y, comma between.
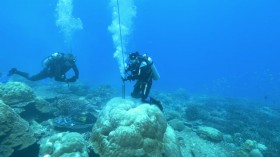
x: 64, y: 144
x: 16, y: 92
x: 125, y: 130
x: 171, y: 144
x: 15, y: 132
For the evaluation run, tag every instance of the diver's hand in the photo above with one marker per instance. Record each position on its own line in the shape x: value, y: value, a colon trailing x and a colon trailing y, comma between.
x: 72, y: 79
x: 128, y: 78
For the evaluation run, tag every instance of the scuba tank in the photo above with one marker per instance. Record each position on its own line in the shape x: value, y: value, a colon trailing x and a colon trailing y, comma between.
x: 149, y: 60
x: 48, y: 60
x: 156, y: 75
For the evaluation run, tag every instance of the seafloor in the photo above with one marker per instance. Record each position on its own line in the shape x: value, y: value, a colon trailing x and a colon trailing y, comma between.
x: 49, y: 119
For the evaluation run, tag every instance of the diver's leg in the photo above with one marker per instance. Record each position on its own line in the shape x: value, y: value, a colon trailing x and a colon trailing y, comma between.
x: 156, y: 102
x: 20, y: 73
x: 42, y: 75
x: 146, y: 90
x: 146, y: 98
x: 137, y: 89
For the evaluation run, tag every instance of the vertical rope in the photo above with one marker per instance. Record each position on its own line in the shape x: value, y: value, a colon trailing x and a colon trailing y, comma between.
x: 120, y: 29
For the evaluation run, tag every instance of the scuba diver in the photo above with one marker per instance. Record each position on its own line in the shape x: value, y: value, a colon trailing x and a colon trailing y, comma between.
x: 142, y: 69
x: 55, y: 66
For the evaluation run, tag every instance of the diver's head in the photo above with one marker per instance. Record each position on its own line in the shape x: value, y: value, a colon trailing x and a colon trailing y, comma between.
x: 133, y: 55
x: 133, y: 59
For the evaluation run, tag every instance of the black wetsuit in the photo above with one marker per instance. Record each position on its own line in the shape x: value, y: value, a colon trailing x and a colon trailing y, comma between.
x: 55, y: 67
x: 142, y: 72
x: 143, y: 76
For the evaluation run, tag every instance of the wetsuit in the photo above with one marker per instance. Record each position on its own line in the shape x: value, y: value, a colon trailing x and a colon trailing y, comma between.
x: 55, y: 67
x: 140, y: 70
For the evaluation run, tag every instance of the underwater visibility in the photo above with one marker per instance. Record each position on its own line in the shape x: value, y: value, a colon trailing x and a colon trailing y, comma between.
x: 139, y: 78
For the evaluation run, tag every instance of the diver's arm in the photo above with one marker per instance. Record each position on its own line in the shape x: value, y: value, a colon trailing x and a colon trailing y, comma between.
x: 130, y: 77
x: 76, y: 76
x: 128, y: 74
x: 144, y: 67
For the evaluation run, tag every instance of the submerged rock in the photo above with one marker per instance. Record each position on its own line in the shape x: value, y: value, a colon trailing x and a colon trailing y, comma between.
x: 177, y: 124
x: 251, y: 148
x: 16, y: 92
x: 255, y: 153
x: 43, y: 106
x: 15, y: 132
x: 210, y: 133
x: 69, y: 124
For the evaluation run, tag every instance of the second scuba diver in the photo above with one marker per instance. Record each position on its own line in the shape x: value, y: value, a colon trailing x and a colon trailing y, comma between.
x: 55, y: 66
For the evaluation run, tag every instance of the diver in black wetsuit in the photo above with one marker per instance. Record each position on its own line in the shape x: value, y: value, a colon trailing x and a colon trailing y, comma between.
x: 55, y: 66
x: 141, y: 68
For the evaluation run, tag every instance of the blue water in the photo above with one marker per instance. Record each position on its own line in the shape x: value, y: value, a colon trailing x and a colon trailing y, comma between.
x: 217, y: 47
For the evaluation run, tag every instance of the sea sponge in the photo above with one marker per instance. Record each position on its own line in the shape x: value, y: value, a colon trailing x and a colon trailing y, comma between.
x: 15, y: 132
x: 123, y: 130
x: 16, y: 92
x: 64, y: 144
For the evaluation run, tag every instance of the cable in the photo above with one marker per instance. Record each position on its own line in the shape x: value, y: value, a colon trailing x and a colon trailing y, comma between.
x: 120, y: 29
